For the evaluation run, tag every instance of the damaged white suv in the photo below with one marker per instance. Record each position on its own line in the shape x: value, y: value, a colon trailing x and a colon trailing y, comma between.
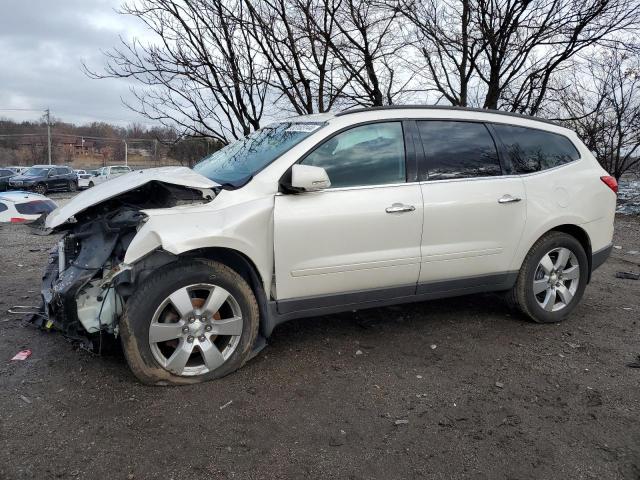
x: 193, y: 269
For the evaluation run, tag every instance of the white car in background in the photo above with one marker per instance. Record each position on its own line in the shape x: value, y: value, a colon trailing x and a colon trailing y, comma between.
x: 17, y: 170
x: 23, y: 207
x: 107, y: 173
x: 317, y: 214
x: 84, y: 177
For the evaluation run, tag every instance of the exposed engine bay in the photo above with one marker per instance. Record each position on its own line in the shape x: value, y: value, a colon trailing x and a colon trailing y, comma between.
x: 85, y: 283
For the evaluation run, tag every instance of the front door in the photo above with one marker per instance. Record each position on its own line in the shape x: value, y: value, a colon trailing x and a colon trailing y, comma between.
x: 363, y: 233
x: 474, y: 215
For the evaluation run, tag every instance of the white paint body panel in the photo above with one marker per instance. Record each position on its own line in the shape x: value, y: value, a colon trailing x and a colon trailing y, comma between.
x: 341, y: 240
x: 466, y: 231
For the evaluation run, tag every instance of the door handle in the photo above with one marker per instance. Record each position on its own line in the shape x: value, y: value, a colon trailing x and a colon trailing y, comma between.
x: 508, y: 199
x: 399, y: 208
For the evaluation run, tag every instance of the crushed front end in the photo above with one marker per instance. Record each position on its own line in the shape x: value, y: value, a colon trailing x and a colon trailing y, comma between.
x: 85, y: 284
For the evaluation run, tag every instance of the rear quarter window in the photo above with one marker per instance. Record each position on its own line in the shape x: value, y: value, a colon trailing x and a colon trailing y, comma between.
x: 531, y: 150
x: 3, y: 207
x: 36, y: 207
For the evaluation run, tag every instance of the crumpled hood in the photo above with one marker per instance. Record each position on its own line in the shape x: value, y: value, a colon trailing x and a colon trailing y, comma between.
x: 181, y: 176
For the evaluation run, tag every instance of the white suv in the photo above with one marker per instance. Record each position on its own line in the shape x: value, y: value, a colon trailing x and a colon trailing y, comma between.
x: 326, y: 213
x: 107, y: 173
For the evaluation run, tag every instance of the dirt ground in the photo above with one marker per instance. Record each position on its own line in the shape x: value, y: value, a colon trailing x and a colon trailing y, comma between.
x: 449, y: 389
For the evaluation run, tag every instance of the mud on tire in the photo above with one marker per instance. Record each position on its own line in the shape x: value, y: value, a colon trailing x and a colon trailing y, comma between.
x: 142, y: 308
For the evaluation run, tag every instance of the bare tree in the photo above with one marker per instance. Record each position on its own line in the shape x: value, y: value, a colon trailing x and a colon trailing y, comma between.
x: 202, y: 74
x: 603, y: 107
x: 368, y: 45
x: 503, y: 54
x: 294, y: 39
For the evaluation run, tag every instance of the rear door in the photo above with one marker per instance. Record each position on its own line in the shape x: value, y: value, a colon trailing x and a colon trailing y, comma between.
x: 361, y: 234
x: 474, y: 215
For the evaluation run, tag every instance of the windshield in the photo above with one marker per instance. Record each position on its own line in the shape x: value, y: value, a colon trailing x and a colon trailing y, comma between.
x: 238, y: 162
x: 36, y: 172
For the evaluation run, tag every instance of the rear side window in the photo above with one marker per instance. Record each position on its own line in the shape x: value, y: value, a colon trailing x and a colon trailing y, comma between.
x: 367, y: 155
x: 120, y: 169
x: 458, y: 150
x: 59, y: 171
x: 35, y: 207
x: 6, y: 173
x: 530, y: 150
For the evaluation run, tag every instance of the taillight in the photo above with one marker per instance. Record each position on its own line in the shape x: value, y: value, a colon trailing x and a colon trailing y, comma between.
x: 18, y: 220
x: 610, y: 182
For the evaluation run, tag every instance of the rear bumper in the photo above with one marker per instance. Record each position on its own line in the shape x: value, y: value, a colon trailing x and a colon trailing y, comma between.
x: 599, y: 257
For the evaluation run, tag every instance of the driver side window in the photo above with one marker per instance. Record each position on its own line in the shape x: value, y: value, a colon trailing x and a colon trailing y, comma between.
x: 367, y: 155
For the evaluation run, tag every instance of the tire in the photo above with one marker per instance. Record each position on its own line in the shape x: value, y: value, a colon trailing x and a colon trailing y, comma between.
x: 150, y: 311
x: 563, y: 286
x: 73, y: 186
x: 91, y: 184
x: 40, y: 188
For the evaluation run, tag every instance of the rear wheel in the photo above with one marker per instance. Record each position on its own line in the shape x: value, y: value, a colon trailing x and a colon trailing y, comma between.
x: 40, y: 188
x: 190, y: 322
x: 91, y: 184
x: 73, y: 186
x: 552, y: 279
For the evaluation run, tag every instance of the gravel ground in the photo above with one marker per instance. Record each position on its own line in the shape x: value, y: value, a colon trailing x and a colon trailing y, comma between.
x: 449, y: 389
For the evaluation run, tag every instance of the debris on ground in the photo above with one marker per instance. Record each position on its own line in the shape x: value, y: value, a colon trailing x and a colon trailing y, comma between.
x: 499, y: 384
x: 358, y: 352
x: 226, y: 404
x: 628, y: 275
x: 635, y: 364
x: 434, y: 346
x: 25, y: 399
x: 401, y: 422
x: 22, y: 355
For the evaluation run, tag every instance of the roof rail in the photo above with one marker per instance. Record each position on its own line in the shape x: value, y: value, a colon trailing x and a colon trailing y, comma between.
x: 443, y: 107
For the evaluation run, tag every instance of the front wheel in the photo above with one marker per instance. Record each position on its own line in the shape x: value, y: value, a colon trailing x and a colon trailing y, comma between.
x: 73, y: 186
x: 91, y: 184
x: 40, y: 188
x: 552, y: 279
x: 189, y: 322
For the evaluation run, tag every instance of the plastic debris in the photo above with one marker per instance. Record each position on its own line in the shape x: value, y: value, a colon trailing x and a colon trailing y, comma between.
x: 22, y: 355
x: 226, y: 404
x: 628, y: 275
x: 635, y: 364
x: 358, y: 352
x: 433, y: 346
x: 499, y: 384
x: 25, y: 399
x: 401, y: 422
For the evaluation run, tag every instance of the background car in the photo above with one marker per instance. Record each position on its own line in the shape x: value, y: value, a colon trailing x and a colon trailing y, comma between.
x: 22, y: 207
x: 84, y: 177
x: 17, y: 169
x: 5, y: 175
x: 44, y: 178
x: 107, y: 173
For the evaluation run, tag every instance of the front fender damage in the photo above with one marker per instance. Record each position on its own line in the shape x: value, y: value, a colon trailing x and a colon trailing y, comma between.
x: 86, y: 283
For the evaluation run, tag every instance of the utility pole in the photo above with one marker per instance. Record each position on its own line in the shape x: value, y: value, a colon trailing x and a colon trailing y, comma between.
x: 126, y: 154
x: 47, y: 115
x: 155, y: 151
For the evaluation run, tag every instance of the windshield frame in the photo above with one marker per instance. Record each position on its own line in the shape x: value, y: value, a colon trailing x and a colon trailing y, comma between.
x: 245, y: 180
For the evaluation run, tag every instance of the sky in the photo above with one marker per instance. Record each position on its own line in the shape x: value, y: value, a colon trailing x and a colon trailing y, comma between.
x: 42, y: 46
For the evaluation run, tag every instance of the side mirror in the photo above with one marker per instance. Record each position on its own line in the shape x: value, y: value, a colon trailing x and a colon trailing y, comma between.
x: 307, y: 178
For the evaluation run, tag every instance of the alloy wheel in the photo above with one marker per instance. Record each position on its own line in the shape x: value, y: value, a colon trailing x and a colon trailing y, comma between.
x: 195, y: 329
x: 556, y: 279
